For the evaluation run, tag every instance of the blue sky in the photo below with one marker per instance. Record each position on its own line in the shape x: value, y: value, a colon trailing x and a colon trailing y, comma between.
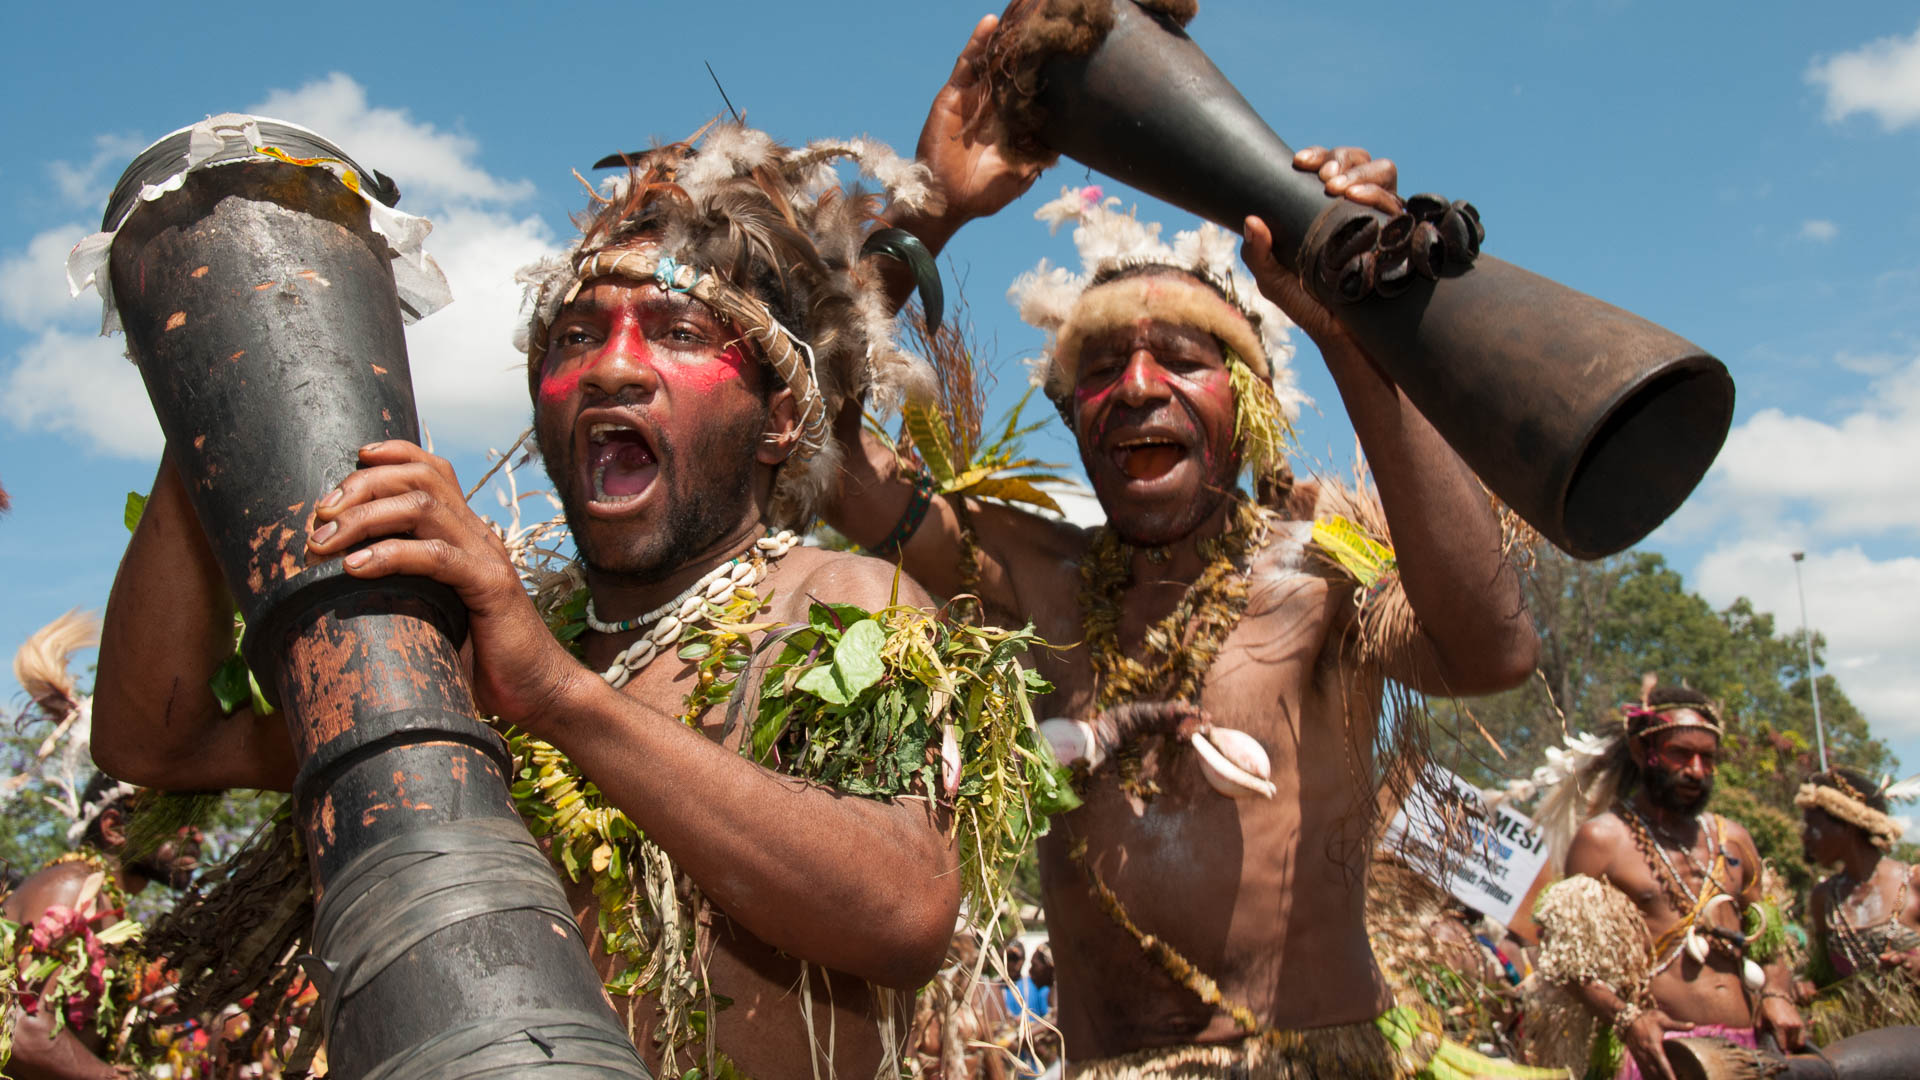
x: 1740, y: 173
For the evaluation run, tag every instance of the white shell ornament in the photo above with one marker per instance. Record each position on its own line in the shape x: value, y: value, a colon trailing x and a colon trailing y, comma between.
x: 1073, y: 742
x: 1234, y: 763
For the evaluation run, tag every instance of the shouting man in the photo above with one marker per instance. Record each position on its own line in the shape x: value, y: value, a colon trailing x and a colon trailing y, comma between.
x: 1661, y: 928
x: 1211, y: 646
x: 683, y: 360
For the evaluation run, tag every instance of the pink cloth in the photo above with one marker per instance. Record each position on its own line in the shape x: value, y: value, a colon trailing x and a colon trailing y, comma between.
x: 1630, y: 1069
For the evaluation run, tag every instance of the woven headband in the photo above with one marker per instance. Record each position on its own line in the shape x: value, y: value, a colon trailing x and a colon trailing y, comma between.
x: 1666, y: 717
x: 1882, y: 830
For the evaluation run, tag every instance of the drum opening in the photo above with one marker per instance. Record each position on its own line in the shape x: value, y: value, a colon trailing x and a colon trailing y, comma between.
x: 1647, y: 457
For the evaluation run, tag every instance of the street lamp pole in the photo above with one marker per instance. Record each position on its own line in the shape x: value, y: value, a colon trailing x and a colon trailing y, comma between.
x: 1806, y: 637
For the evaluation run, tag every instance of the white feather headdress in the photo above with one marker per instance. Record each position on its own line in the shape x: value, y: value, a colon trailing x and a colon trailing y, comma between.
x: 1056, y: 299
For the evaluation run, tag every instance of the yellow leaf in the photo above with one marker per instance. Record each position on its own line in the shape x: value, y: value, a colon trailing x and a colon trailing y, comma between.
x: 931, y: 439
x: 1014, y: 489
x: 602, y: 857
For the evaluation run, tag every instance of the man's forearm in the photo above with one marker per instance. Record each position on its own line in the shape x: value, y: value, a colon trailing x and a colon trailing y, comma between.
x: 169, y: 627
x: 39, y: 1055
x: 1601, y: 1000
x: 859, y: 886
x: 1446, y: 537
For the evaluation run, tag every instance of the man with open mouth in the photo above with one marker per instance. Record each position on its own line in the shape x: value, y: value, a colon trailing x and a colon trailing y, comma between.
x: 777, y: 774
x: 1223, y: 658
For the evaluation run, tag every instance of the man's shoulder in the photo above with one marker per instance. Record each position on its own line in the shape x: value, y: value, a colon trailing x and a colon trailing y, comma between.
x: 1596, y: 839
x: 1029, y: 536
x: 1605, y: 825
x: 56, y: 883
x: 1732, y: 832
x: 846, y: 577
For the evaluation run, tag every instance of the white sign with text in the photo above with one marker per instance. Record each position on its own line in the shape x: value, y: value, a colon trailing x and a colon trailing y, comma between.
x: 1489, y: 862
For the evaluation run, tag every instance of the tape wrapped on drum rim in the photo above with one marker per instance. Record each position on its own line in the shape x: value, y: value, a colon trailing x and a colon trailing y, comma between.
x: 406, y: 889
x: 160, y: 161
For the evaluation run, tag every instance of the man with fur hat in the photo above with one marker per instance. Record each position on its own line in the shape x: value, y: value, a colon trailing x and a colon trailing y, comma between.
x: 683, y: 360
x: 1661, y: 928
x: 1865, y: 916
x: 1222, y: 665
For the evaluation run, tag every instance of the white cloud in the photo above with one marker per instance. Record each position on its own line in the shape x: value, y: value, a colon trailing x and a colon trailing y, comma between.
x: 469, y: 381
x: 33, y: 283
x: 1078, y: 503
x: 1818, y: 230
x: 81, y: 384
x: 89, y: 185
x: 1868, y: 610
x: 467, y: 377
x: 429, y: 164
x: 1786, y: 482
x: 1881, y: 77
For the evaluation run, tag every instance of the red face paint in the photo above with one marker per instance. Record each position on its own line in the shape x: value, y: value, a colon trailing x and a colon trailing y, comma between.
x: 705, y: 375
x: 559, y: 387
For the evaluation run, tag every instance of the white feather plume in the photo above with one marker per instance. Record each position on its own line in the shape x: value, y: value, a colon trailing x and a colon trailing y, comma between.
x: 1901, y: 791
x: 1108, y: 238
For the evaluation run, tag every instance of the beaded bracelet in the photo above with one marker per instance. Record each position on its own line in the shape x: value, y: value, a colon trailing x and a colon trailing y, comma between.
x: 909, y: 522
x: 1622, y: 1020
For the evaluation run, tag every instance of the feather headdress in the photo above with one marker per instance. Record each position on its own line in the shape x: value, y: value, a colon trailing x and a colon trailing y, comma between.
x: 40, y: 665
x: 1582, y: 777
x: 768, y: 237
x: 1217, y: 295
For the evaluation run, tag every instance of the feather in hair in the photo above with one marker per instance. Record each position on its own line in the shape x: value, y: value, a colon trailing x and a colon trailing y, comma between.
x: 40, y: 664
x: 1903, y: 790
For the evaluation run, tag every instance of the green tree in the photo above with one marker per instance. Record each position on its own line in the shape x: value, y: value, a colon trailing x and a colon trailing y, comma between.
x: 1602, y: 625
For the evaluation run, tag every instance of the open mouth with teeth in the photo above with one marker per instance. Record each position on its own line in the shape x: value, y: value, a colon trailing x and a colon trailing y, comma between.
x: 1147, y: 457
x: 620, y: 463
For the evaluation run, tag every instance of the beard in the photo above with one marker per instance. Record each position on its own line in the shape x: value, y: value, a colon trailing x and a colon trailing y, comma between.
x: 707, y: 483
x: 1668, y: 792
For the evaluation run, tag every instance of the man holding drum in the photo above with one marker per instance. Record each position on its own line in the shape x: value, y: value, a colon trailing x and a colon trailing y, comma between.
x: 1222, y: 694
x: 683, y: 360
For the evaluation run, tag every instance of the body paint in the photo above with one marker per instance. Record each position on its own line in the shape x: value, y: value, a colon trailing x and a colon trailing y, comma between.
x: 703, y: 376
x: 558, y: 388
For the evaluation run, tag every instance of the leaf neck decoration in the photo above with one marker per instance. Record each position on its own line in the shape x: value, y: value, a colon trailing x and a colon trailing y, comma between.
x: 863, y: 702
x: 78, y: 964
x: 1177, y: 651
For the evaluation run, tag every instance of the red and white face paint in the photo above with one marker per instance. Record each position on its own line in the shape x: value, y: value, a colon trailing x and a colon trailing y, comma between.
x: 1153, y: 412
x: 644, y: 400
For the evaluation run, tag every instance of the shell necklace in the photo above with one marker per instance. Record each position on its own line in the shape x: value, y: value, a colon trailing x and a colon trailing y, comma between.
x: 665, y: 624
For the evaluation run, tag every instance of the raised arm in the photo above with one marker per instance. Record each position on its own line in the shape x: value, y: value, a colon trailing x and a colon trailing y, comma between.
x: 1477, y: 636
x: 169, y: 627
x: 874, y: 504
x: 959, y: 145
x: 860, y: 886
